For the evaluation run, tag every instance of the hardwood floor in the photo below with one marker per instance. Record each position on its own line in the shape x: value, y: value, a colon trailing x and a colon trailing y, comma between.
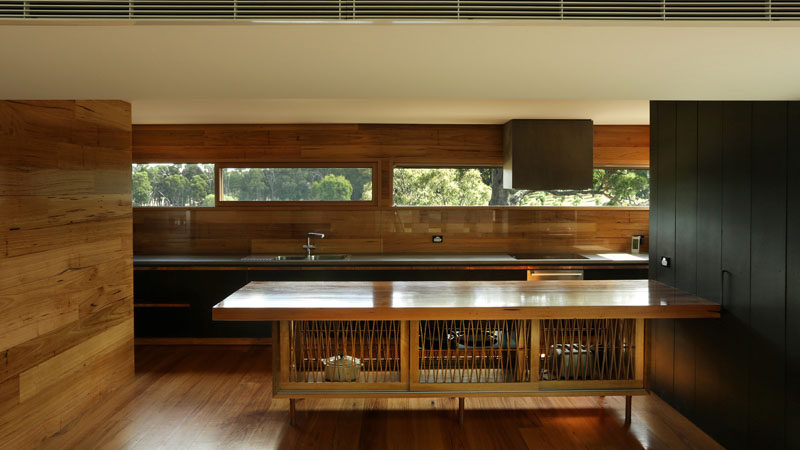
x: 202, y: 397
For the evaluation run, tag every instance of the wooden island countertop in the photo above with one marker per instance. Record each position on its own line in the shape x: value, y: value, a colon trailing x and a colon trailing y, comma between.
x: 423, y: 300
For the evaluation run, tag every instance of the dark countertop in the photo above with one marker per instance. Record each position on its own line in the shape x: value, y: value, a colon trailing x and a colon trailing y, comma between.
x: 389, y: 260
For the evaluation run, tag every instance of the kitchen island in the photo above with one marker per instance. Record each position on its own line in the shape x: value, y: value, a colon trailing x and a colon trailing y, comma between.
x: 459, y: 338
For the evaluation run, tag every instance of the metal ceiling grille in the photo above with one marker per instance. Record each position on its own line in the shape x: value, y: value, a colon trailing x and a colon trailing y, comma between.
x: 463, y: 10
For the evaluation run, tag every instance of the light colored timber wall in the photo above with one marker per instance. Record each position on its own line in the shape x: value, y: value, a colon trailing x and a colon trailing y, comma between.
x: 381, y: 228
x: 66, y: 280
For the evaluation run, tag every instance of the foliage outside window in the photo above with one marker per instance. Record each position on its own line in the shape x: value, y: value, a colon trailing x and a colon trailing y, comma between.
x: 173, y: 185
x: 296, y: 184
x: 484, y: 187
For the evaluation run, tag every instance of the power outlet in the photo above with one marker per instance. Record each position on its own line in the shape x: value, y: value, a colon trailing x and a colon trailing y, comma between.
x: 437, y: 239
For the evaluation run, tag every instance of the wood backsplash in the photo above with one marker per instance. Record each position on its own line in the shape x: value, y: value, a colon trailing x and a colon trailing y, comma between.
x: 385, y: 228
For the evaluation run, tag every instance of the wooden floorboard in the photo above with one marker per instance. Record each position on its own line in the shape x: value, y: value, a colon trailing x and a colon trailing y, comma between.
x: 199, y: 397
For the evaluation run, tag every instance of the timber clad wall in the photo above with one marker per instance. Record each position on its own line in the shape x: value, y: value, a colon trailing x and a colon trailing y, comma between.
x: 381, y: 229
x: 725, y: 206
x: 66, y: 281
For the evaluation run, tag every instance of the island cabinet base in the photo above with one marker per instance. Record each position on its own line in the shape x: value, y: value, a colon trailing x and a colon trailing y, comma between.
x: 458, y: 358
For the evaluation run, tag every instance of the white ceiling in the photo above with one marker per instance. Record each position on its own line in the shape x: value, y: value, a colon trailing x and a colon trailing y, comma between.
x: 478, y: 73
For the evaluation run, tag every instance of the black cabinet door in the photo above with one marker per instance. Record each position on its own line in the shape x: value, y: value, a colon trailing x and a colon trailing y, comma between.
x: 663, y: 165
x: 733, y: 372
x: 768, y: 276
x: 793, y: 279
x: 709, y: 339
x: 200, y: 290
x: 725, y: 203
x: 685, y: 261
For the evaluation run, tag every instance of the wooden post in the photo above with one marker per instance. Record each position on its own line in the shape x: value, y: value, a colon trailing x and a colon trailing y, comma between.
x: 628, y: 400
x: 292, y: 411
x: 461, y: 410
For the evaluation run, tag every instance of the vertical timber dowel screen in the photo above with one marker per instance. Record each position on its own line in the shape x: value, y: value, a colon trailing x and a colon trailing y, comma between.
x: 588, y: 349
x: 474, y: 351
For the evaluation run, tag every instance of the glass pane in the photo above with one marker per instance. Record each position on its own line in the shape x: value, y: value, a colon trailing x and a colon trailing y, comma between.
x: 482, y: 186
x: 173, y: 185
x: 297, y: 184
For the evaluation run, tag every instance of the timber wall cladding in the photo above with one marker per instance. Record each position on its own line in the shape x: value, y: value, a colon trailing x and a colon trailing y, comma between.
x: 384, y: 229
x: 66, y: 278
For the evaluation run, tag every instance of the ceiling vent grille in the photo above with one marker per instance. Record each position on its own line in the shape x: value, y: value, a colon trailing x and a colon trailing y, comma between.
x: 446, y: 10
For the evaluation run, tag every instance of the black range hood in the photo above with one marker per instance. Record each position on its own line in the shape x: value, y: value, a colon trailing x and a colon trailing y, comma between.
x: 547, y: 154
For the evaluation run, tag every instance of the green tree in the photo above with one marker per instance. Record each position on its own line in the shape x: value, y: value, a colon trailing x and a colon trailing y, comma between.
x: 458, y: 187
x: 142, y: 190
x: 172, y: 184
x: 332, y: 188
x: 208, y: 200
x: 366, y: 192
x: 175, y: 190
x: 440, y: 187
x: 198, y: 189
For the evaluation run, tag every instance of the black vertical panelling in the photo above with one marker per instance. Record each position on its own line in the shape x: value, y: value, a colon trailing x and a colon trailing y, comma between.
x: 686, y: 197
x: 708, y: 397
x: 666, y: 189
x: 745, y: 253
x: 685, y: 250
x: 653, y: 244
x: 734, y: 368
x: 663, y: 347
x: 768, y: 276
x: 793, y: 279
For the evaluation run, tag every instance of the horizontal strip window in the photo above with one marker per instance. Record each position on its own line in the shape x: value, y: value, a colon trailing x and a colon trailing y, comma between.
x: 349, y: 10
x: 298, y: 183
x: 483, y: 186
x: 173, y: 185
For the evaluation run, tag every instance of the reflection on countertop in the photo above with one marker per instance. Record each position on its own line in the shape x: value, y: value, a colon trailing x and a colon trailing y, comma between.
x: 416, y: 259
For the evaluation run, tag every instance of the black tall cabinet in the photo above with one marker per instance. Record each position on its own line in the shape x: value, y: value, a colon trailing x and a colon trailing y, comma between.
x: 725, y: 210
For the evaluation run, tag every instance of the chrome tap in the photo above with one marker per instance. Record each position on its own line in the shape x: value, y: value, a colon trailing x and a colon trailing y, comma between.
x: 309, y: 246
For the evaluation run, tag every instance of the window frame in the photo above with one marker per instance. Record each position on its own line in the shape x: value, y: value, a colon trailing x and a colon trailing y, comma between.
x: 401, y: 165
x: 281, y: 204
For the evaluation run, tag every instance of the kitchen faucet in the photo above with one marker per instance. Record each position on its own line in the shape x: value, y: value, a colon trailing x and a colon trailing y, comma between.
x: 308, y: 245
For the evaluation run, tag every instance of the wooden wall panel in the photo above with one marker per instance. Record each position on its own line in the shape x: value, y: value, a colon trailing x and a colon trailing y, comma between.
x: 421, y: 144
x: 383, y: 229
x: 393, y: 230
x: 66, y: 322
x: 614, y: 145
x: 622, y: 146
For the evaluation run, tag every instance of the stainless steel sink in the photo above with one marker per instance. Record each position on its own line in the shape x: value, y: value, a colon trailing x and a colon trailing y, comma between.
x: 290, y: 258
x: 330, y: 257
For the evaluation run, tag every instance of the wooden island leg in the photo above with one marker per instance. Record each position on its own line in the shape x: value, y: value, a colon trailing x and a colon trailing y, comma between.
x: 292, y: 411
x: 628, y: 400
x: 461, y: 410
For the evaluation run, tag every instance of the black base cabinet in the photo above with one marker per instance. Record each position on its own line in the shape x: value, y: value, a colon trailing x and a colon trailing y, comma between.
x: 176, y: 303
